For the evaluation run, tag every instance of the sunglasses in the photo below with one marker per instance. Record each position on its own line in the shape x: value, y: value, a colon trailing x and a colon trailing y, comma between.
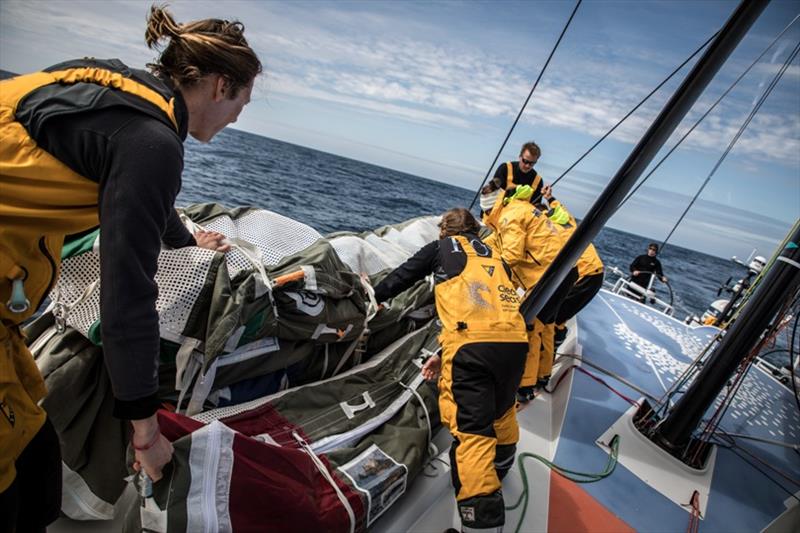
x: 527, y: 161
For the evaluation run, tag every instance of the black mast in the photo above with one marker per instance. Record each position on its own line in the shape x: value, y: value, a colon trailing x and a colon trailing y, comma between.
x: 606, y: 205
x: 781, y: 282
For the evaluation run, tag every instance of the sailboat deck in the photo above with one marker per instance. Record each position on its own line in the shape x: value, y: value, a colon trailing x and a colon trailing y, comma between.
x: 651, y: 350
x: 615, y: 335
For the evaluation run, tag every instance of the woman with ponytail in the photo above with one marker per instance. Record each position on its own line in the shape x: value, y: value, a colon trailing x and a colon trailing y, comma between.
x: 94, y: 142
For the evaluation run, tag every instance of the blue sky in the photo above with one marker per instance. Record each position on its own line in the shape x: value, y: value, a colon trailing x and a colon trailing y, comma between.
x: 431, y: 89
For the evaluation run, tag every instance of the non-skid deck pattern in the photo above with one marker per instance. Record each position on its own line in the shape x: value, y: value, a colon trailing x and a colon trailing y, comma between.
x: 651, y: 350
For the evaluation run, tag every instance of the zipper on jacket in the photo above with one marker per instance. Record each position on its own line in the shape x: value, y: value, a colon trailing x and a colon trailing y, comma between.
x: 49, y: 257
x: 531, y: 256
x: 524, y: 287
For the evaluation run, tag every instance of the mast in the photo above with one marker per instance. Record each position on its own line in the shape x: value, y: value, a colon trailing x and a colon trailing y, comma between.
x: 781, y: 282
x: 674, y: 111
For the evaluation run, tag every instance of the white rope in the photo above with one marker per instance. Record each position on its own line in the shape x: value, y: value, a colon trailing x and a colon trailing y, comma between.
x: 327, y: 475
x: 61, y: 310
x: 372, y: 306
x: 424, y: 408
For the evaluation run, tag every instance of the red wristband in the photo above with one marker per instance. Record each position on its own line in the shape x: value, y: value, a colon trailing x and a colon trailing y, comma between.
x: 148, y: 445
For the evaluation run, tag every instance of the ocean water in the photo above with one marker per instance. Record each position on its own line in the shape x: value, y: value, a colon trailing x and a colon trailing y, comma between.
x: 332, y: 193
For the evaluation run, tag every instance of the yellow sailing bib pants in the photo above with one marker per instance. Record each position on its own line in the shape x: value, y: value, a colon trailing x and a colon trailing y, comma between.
x: 483, y: 354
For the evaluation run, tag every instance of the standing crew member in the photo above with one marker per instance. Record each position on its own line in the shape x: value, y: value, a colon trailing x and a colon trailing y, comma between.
x: 514, y: 173
x: 645, y: 266
x: 483, y: 355
x: 91, y: 142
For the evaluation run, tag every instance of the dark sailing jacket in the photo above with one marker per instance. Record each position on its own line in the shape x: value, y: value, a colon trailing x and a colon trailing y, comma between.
x: 646, y: 266
x: 518, y: 177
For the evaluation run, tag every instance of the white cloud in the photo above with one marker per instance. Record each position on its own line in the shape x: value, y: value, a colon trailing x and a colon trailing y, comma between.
x: 359, y: 58
x: 418, y: 80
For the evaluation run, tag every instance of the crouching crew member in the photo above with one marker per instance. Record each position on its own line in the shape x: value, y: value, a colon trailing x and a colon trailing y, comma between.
x: 483, y: 355
x: 589, y: 265
x: 529, y: 241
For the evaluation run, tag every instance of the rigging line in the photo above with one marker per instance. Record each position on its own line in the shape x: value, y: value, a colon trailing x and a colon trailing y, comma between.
x: 736, y: 137
x: 735, y: 450
x: 725, y: 440
x: 635, y: 108
x: 738, y: 381
x: 610, y: 374
x: 792, y: 376
x: 683, y: 138
x: 524, y: 105
x: 772, y: 442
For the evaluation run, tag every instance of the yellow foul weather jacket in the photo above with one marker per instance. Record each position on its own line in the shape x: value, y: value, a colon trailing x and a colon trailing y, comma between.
x: 528, y: 241
x: 589, y: 263
x: 41, y: 201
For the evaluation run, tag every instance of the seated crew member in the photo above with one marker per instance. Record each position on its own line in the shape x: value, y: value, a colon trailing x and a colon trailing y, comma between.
x: 93, y: 142
x: 529, y: 241
x: 645, y: 266
x: 589, y: 265
x: 514, y: 173
x: 483, y: 355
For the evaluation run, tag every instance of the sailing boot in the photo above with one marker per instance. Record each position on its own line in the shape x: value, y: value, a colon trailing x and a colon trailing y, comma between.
x: 560, y: 335
x: 483, y: 513
x: 542, y: 383
x: 526, y: 394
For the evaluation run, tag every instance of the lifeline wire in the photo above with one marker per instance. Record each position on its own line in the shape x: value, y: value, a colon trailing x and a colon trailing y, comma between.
x: 736, y: 82
x: 736, y: 137
x: 635, y: 108
x: 541, y: 73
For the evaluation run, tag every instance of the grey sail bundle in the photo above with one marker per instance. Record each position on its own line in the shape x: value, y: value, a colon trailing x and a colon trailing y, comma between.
x: 285, y: 307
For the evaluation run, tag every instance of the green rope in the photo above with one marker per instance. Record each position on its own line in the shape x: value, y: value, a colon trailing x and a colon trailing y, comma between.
x: 572, y: 475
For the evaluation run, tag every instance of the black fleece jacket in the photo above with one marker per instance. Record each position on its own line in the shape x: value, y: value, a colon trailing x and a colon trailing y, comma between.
x: 137, y: 161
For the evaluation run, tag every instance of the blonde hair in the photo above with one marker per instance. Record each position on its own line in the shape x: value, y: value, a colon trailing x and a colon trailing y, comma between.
x: 199, y: 48
x: 458, y: 221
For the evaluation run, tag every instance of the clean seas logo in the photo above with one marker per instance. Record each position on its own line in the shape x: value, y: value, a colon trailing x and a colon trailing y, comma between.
x: 508, y: 294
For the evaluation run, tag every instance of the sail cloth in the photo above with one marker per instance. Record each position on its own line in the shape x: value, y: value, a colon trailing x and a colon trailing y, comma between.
x: 330, y: 456
x: 227, y: 336
x: 79, y: 403
x: 219, y: 312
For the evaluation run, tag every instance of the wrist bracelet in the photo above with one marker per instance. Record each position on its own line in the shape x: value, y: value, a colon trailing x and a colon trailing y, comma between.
x: 148, y: 445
